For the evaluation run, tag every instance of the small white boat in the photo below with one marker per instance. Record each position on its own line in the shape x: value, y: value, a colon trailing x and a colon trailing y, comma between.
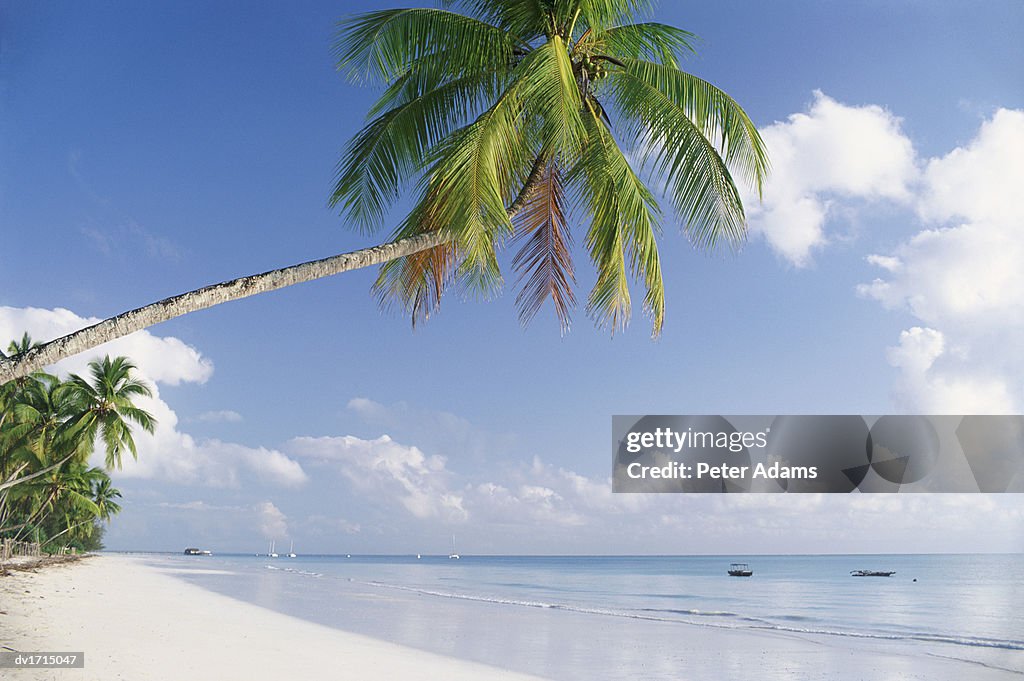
x: 291, y: 551
x: 453, y: 555
x: 273, y: 553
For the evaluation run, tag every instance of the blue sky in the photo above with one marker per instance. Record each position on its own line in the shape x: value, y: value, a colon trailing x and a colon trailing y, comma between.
x: 150, y: 148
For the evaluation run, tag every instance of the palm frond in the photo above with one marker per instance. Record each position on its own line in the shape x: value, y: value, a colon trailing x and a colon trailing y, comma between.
x: 650, y: 41
x: 603, y: 14
x: 545, y: 259
x: 523, y: 18
x: 417, y: 282
x: 381, y: 46
x: 714, y: 112
x: 388, y: 153
x: 547, y: 86
x: 624, y: 217
x: 677, y: 151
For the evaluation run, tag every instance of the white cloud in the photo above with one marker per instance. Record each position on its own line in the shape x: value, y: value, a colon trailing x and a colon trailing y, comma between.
x: 386, y: 469
x: 831, y: 154
x: 168, y: 453
x: 271, y: 521
x: 367, y: 408
x: 221, y: 416
x: 928, y: 388
x: 980, y: 182
x: 172, y: 455
x: 962, y: 275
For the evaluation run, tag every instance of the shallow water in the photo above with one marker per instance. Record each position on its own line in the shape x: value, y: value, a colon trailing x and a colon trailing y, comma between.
x: 616, y: 617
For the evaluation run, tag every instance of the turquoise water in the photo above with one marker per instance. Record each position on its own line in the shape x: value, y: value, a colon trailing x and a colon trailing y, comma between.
x: 580, y: 617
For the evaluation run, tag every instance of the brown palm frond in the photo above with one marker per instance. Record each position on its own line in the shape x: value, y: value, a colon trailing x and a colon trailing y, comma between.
x: 545, y: 259
x: 418, y: 281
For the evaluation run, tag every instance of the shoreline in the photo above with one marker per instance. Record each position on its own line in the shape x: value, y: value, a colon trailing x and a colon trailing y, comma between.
x: 134, y: 622
x: 26, y: 563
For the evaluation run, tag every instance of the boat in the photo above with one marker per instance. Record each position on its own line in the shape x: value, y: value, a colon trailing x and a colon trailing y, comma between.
x: 291, y: 551
x: 453, y: 555
x: 191, y: 551
x: 872, y: 573
x: 272, y: 553
x: 740, y: 570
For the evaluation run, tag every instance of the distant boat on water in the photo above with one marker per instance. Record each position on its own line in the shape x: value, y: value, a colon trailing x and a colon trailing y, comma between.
x: 291, y: 551
x: 453, y: 555
x: 740, y: 570
x: 872, y: 573
x: 272, y: 553
x: 190, y: 551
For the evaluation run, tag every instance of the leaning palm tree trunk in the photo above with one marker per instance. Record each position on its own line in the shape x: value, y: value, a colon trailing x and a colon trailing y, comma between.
x: 208, y: 296
x: 161, y: 311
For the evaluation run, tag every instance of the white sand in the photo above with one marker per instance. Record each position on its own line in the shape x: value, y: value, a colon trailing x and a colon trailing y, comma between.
x: 134, y: 623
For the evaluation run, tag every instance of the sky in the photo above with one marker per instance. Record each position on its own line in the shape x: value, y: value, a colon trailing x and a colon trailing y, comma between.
x: 148, y: 148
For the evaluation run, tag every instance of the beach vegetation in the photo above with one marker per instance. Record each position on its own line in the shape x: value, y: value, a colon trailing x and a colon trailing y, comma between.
x: 50, y: 492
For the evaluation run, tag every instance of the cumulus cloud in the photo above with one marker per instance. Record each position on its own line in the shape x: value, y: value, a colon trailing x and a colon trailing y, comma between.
x: 271, y: 521
x: 168, y: 453
x: 386, y: 469
x: 979, y: 181
x: 930, y: 387
x: 389, y: 473
x: 831, y: 154
x: 966, y: 275
x: 962, y: 276
x: 173, y: 455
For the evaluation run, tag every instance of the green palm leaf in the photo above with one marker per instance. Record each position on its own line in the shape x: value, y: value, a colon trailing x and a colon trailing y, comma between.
x: 496, y: 113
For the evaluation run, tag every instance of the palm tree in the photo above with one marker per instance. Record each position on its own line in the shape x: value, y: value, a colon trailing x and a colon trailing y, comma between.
x: 105, y: 407
x: 48, y: 430
x: 103, y: 495
x: 510, y: 119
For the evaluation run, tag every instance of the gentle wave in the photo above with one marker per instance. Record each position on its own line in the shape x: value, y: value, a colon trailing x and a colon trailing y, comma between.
x: 752, y: 623
x: 294, y: 571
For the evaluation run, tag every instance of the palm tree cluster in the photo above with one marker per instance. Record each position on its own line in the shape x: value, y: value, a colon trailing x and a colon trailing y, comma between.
x: 49, y: 428
x: 515, y: 119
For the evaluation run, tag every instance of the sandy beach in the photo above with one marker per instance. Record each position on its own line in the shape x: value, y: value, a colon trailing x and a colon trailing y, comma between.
x: 133, y: 622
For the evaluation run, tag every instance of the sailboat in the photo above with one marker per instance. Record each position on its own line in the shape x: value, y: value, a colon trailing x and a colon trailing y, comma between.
x: 453, y: 555
x: 291, y: 551
x: 272, y: 554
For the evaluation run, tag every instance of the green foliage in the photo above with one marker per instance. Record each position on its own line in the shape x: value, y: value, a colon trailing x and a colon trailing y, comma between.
x: 48, y: 431
x: 563, y: 109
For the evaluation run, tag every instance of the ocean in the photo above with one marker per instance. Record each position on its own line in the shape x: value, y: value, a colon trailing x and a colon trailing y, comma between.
x: 658, y: 617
